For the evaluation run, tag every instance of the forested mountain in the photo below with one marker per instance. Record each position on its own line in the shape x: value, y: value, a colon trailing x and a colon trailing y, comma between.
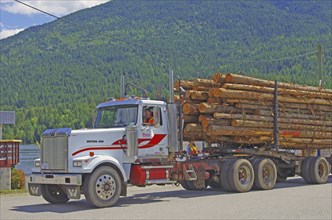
x: 55, y: 74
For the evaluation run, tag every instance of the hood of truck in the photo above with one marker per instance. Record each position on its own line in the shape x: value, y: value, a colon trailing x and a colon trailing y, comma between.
x: 99, y: 141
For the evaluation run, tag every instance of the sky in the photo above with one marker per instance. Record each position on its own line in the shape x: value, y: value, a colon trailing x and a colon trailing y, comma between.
x: 15, y: 17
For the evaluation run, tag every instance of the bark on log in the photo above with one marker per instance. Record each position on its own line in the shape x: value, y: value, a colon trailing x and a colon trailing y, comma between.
x: 193, y: 127
x: 200, y: 88
x: 212, y: 121
x: 213, y: 108
x: 260, y: 124
x: 281, y: 91
x: 270, y: 119
x: 253, y: 107
x: 255, y: 104
x: 185, y: 84
x: 200, y: 95
x: 283, y: 109
x: 205, y: 83
x: 237, y: 94
x: 214, y: 101
x: 195, y: 136
x: 240, y: 79
x: 293, y: 115
x: 236, y: 131
x: 190, y: 118
x: 247, y: 140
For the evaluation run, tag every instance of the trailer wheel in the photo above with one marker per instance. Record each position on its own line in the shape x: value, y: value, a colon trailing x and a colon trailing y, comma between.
x: 319, y: 170
x: 224, y: 174
x: 265, y: 173
x: 53, y: 193
x: 305, y: 173
x: 103, y: 187
x: 241, y: 176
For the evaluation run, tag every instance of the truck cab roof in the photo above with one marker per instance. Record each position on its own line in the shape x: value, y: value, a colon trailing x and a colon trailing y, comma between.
x: 130, y: 101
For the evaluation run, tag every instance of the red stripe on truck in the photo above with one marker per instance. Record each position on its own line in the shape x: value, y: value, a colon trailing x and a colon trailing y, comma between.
x: 121, y: 144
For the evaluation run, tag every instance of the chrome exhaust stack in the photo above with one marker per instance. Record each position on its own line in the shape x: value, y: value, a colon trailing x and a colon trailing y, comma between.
x: 172, y: 116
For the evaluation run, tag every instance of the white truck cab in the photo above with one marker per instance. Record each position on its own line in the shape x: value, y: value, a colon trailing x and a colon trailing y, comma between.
x: 69, y: 157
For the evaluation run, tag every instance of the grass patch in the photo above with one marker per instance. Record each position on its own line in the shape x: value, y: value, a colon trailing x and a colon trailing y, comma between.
x: 13, y: 191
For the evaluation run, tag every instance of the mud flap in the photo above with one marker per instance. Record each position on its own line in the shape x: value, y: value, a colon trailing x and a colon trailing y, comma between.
x: 73, y: 192
x: 34, y: 189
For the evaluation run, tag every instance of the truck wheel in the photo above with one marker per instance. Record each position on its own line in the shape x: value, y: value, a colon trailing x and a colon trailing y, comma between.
x: 241, y: 176
x: 319, y: 170
x: 184, y: 184
x: 265, y: 173
x: 224, y: 174
x: 103, y: 187
x: 305, y: 173
x: 53, y: 193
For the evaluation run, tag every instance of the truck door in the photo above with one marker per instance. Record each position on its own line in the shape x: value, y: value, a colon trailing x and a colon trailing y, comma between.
x: 152, y: 132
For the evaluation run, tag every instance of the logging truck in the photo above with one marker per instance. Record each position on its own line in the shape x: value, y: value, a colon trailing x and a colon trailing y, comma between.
x: 122, y: 150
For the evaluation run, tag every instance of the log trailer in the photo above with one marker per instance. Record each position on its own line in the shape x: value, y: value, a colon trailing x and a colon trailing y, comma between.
x: 121, y: 149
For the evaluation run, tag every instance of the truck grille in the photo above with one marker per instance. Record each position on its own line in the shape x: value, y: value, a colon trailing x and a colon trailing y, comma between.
x: 54, y: 152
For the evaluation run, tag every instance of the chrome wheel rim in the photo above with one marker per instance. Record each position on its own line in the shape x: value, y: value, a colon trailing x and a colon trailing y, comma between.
x: 105, y: 187
x: 244, y: 175
x: 267, y: 174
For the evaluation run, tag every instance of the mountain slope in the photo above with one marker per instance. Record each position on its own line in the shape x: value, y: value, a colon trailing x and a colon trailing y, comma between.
x: 58, y: 72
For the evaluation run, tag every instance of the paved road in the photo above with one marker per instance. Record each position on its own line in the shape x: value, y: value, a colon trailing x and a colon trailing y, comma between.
x: 291, y: 200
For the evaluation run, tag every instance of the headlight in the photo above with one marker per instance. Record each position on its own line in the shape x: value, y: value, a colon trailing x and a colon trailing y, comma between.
x: 37, y: 163
x: 77, y: 163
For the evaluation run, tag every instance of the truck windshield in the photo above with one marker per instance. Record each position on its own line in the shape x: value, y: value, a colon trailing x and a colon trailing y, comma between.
x: 116, y: 116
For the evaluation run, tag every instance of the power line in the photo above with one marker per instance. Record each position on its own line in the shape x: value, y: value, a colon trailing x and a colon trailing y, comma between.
x: 163, y: 50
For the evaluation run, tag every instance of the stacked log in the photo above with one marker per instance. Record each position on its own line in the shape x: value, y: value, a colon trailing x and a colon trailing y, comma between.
x: 238, y: 110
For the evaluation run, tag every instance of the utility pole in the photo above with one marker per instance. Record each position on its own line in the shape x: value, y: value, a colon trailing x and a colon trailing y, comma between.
x: 320, y: 65
x: 320, y: 74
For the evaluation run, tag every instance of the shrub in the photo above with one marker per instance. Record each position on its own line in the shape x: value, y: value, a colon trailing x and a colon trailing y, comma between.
x: 18, y: 179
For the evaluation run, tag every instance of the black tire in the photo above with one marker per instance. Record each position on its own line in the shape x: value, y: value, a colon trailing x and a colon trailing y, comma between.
x: 241, y: 176
x: 305, y: 173
x: 224, y: 174
x: 319, y: 170
x: 184, y: 184
x: 102, y: 188
x: 54, y: 193
x: 265, y: 174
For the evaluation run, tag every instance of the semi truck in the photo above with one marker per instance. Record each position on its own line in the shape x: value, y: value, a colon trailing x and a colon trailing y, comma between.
x: 122, y: 150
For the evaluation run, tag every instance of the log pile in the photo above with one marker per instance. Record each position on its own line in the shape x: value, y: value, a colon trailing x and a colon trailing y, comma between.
x: 237, y: 110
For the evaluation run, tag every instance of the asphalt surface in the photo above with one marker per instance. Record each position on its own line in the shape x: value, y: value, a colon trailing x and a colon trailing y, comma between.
x: 290, y: 200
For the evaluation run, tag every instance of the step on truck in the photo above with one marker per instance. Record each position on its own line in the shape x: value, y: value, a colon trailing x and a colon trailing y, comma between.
x: 123, y: 149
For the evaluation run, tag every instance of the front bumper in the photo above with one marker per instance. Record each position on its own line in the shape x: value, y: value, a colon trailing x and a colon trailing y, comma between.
x: 60, y: 179
x: 71, y: 183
